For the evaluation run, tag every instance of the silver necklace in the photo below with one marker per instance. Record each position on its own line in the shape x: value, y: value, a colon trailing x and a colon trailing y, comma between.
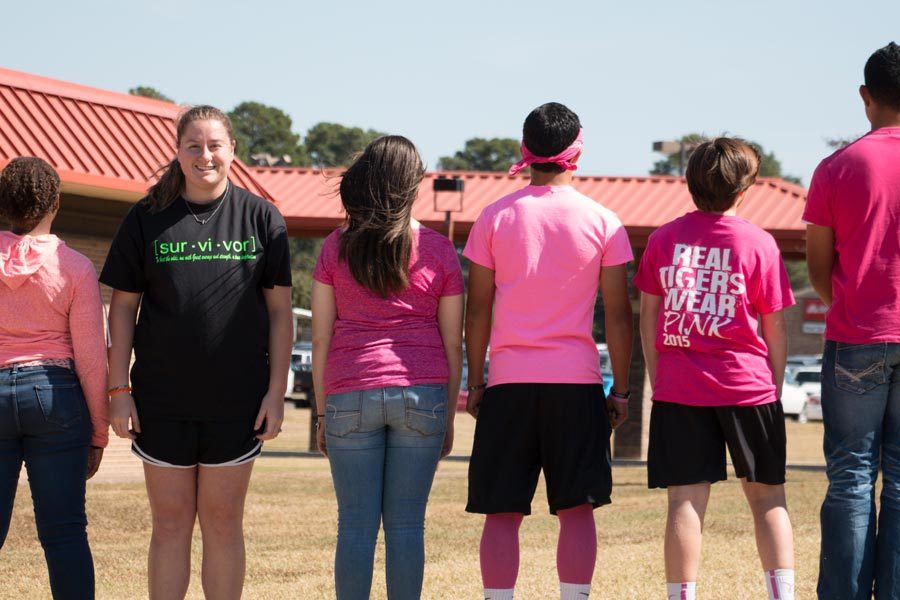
x: 206, y: 220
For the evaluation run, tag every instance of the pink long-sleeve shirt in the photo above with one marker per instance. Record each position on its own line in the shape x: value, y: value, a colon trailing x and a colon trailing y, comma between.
x: 50, y: 307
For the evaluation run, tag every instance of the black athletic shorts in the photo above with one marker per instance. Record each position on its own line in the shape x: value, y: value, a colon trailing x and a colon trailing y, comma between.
x: 687, y: 443
x: 523, y: 428
x: 185, y: 443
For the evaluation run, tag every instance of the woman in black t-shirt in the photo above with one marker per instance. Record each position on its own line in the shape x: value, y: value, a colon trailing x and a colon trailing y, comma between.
x: 207, y: 264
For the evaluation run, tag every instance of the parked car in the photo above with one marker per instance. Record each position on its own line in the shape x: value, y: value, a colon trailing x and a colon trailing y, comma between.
x: 810, y: 380
x: 803, y: 360
x: 794, y: 400
x: 300, y: 375
x: 605, y: 368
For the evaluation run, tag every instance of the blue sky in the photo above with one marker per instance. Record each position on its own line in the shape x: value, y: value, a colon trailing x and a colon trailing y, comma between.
x: 784, y: 74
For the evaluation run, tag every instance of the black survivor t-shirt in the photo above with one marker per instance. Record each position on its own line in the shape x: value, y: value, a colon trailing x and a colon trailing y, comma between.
x: 201, y: 341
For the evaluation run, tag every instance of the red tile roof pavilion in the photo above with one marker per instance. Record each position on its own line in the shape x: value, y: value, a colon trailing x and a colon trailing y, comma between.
x: 309, y: 202
x: 103, y: 144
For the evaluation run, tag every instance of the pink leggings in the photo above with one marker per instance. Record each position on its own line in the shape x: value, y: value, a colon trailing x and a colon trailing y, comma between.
x: 576, y: 550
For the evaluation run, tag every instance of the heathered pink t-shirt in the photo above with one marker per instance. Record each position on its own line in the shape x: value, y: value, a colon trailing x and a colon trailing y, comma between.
x: 546, y: 246
x: 716, y: 274
x: 395, y: 341
x: 856, y: 192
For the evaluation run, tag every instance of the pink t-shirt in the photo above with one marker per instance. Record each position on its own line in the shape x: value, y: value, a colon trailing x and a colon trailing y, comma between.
x: 546, y: 246
x: 856, y: 192
x: 50, y: 308
x: 395, y: 341
x: 716, y: 274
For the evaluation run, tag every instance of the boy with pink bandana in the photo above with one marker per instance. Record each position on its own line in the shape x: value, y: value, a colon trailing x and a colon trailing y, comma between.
x: 538, y: 257
x: 707, y: 279
x: 853, y: 250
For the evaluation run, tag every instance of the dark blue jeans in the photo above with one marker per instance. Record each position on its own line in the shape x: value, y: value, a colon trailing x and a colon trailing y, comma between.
x: 44, y: 422
x: 861, y: 409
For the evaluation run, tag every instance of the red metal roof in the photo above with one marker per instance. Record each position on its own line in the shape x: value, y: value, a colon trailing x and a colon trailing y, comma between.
x: 101, y: 143
x: 309, y: 202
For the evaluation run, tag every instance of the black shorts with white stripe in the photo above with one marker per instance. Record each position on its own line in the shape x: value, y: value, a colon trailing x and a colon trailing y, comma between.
x: 185, y: 444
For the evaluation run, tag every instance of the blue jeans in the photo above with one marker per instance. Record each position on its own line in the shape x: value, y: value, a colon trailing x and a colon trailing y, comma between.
x: 45, y: 422
x: 861, y: 409
x: 383, y: 445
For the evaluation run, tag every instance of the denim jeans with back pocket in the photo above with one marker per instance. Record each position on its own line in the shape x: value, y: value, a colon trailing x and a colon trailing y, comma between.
x: 861, y: 408
x: 44, y: 422
x: 383, y: 446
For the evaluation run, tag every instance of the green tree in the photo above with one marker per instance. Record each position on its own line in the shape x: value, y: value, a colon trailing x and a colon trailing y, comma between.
x: 333, y: 144
x: 303, y: 261
x: 149, y: 92
x: 769, y: 165
x: 262, y: 129
x: 481, y: 154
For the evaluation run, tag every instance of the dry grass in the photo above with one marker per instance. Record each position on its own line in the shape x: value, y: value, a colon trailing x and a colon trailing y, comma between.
x: 291, y: 521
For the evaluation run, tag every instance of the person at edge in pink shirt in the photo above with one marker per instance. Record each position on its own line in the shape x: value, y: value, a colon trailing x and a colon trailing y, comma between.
x: 387, y: 358
x: 538, y: 257
x: 853, y: 250
x: 706, y: 280
x: 53, y: 403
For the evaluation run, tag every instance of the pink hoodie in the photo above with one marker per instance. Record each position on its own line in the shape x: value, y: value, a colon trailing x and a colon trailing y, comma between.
x: 50, y: 308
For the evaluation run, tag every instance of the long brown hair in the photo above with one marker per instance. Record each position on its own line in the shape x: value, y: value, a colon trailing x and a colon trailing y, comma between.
x: 377, y: 192
x: 171, y: 183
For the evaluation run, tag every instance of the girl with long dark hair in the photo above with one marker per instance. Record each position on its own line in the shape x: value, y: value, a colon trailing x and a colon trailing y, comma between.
x: 387, y: 338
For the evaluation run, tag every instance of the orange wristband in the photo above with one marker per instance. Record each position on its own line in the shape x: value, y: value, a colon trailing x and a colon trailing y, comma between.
x: 118, y: 390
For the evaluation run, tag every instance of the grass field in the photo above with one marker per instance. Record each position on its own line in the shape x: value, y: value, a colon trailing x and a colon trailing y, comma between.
x: 291, y: 523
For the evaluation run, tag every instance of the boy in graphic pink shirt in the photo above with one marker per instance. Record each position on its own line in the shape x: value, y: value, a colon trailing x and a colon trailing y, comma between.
x: 538, y: 258
x: 853, y: 250
x: 706, y: 279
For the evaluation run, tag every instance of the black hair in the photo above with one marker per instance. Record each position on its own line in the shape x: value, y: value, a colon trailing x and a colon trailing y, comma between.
x: 548, y: 130
x: 29, y: 190
x: 882, y: 76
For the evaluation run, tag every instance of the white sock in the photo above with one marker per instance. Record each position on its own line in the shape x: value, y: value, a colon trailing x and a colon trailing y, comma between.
x: 780, y: 584
x: 574, y: 591
x: 496, y: 594
x: 681, y: 591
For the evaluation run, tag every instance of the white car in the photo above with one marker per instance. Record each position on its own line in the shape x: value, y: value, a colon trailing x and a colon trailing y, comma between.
x: 810, y: 380
x: 794, y: 399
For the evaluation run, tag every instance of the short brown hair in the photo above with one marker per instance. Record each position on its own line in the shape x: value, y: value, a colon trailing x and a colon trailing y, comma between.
x: 719, y: 171
x: 29, y: 190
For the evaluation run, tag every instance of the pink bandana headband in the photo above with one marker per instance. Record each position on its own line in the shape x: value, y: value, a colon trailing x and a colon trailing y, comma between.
x: 562, y: 159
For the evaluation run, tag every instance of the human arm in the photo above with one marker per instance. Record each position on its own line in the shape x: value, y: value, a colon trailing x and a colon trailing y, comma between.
x: 324, y: 314
x: 820, y: 257
x: 650, y: 306
x: 774, y: 333
x: 450, y: 317
x: 619, y: 334
x: 479, y: 313
x: 271, y: 410
x: 123, y: 308
x: 89, y: 353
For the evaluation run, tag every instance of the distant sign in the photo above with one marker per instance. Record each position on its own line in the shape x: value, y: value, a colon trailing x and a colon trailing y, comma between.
x: 814, y: 327
x: 813, y: 310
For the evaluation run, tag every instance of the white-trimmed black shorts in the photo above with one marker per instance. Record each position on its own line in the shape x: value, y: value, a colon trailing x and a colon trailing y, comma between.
x: 184, y: 444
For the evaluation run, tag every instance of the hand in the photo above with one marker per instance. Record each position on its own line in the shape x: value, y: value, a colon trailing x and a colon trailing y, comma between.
x: 320, y: 438
x: 617, y: 410
x: 121, y: 410
x: 95, y: 455
x: 448, y: 440
x: 271, y: 414
x: 473, y: 404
